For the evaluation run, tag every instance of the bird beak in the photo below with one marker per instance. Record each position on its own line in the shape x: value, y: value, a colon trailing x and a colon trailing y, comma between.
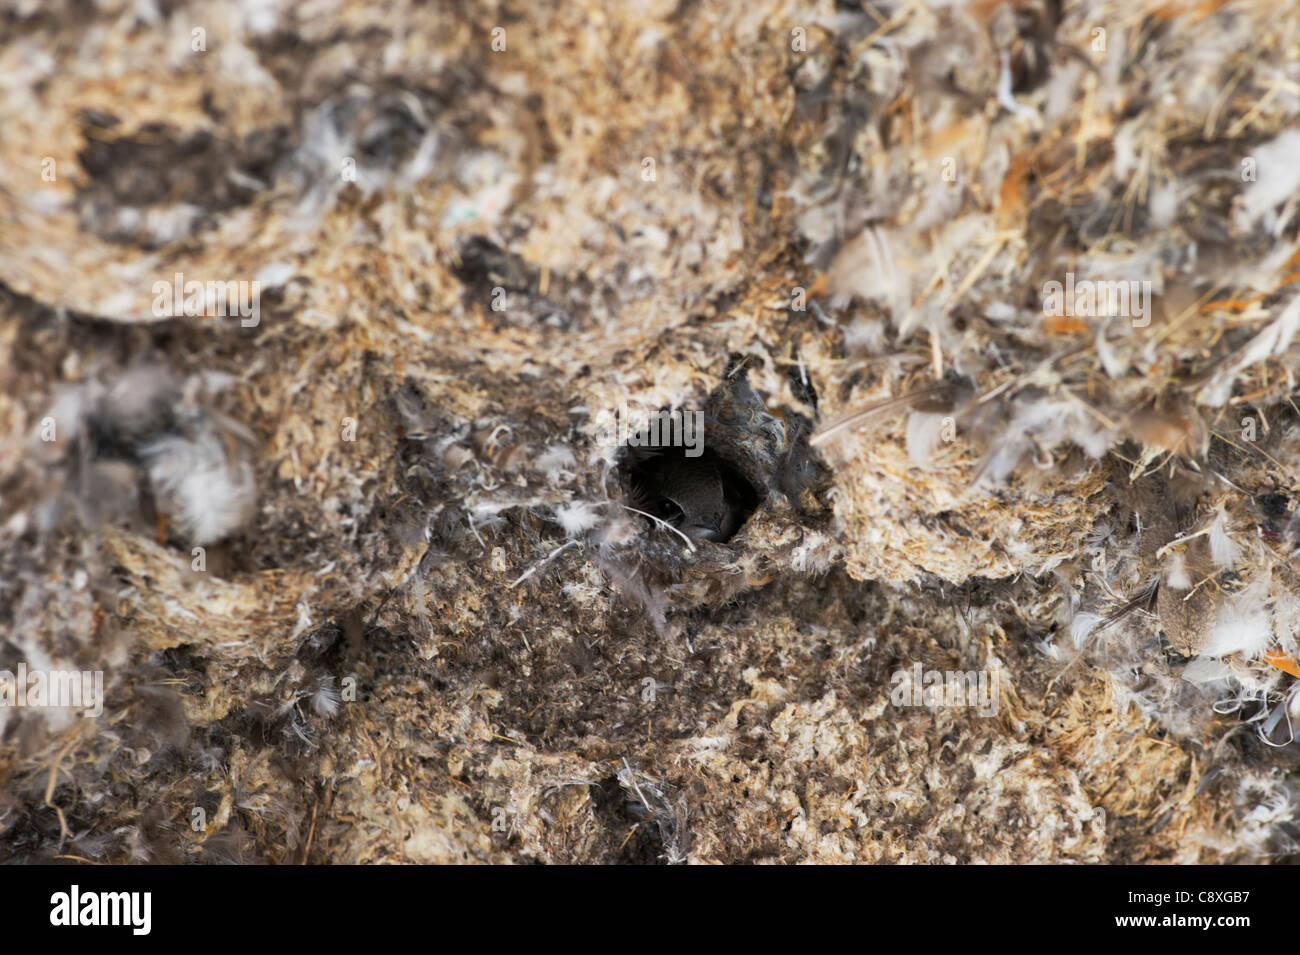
x: 708, y: 529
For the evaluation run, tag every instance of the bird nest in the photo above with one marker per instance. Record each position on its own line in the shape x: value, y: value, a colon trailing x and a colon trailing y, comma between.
x: 314, y: 326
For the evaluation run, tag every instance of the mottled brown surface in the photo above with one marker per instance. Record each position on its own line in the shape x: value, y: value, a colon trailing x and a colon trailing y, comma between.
x: 624, y: 698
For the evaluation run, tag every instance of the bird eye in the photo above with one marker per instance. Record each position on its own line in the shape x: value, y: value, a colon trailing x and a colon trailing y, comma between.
x: 665, y: 508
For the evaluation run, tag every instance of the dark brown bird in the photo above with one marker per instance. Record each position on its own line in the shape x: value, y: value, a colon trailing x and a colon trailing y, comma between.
x: 692, y: 494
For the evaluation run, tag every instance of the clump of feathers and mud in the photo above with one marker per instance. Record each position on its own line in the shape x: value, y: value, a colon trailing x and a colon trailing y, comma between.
x: 366, y: 580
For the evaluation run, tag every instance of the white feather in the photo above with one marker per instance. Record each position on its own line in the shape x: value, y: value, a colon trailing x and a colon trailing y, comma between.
x: 1245, y: 628
x: 1205, y: 670
x: 1082, y: 626
x: 925, y: 432
x: 555, y: 461
x: 577, y: 518
x: 1222, y: 549
x: 1176, y: 576
x: 207, y: 495
x: 325, y: 701
x: 1277, y: 176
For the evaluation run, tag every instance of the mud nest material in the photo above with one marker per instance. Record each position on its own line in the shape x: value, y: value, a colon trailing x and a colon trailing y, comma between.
x: 362, y: 577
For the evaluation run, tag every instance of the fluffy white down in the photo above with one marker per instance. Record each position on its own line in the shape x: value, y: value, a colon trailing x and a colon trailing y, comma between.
x: 207, y: 495
x: 577, y: 518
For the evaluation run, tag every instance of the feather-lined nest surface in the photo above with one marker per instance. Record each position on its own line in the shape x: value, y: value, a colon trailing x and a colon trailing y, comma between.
x: 989, y: 312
